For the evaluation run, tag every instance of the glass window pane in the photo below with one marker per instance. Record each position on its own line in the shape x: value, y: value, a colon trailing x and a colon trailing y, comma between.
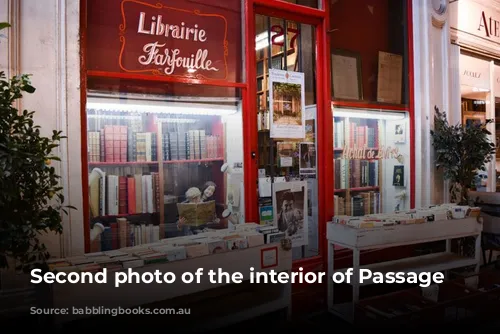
x: 371, y: 161
x: 475, y: 106
x: 369, y: 55
x: 287, y: 163
x: 152, y: 153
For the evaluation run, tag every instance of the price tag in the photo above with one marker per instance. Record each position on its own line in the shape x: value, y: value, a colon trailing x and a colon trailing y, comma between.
x: 269, y: 257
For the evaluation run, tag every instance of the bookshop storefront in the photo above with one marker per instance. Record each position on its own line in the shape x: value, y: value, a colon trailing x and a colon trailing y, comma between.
x: 475, y: 38
x: 198, y: 117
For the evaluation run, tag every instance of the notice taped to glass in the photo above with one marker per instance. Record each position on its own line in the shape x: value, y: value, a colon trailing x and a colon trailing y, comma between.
x: 287, y: 104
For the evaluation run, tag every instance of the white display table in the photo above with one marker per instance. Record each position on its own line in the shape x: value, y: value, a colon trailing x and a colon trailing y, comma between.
x: 399, y: 235
x: 132, y: 295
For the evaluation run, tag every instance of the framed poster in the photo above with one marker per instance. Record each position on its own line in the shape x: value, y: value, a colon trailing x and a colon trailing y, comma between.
x: 346, y: 75
x: 390, y: 78
x: 400, y: 133
x: 287, y: 104
x: 290, y: 203
x: 471, y: 118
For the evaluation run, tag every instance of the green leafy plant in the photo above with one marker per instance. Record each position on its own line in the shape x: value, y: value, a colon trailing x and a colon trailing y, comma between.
x: 461, y: 152
x: 4, y: 25
x: 31, y: 199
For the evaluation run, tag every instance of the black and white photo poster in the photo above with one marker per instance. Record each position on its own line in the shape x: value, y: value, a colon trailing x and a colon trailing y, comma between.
x: 290, y: 203
x: 287, y: 104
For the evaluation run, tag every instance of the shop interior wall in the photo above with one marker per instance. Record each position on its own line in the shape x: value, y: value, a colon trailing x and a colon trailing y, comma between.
x: 370, y: 27
x: 44, y: 41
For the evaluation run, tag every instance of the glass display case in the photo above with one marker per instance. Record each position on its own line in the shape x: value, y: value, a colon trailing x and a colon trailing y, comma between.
x: 161, y: 166
x: 371, y: 161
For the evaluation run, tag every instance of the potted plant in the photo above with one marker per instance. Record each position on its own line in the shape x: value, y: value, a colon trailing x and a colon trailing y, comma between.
x: 31, y: 199
x: 461, y: 153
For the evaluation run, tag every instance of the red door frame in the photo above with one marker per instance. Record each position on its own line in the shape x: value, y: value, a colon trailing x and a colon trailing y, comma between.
x: 316, y: 17
x: 319, y: 19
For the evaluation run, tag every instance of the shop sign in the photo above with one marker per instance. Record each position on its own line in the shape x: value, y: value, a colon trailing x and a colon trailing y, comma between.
x: 279, y: 33
x: 366, y: 153
x: 496, y: 84
x: 474, y: 72
x: 162, y: 40
x: 476, y: 23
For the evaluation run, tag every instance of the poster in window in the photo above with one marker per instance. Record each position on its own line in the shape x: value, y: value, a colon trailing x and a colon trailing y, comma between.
x: 307, y: 162
x: 290, y: 203
x: 287, y: 104
x: 399, y: 133
x: 398, y: 178
x: 346, y: 75
x: 390, y: 78
x: 286, y: 152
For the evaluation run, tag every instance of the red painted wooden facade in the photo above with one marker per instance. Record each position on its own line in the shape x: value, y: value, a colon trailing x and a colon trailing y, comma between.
x: 100, y: 67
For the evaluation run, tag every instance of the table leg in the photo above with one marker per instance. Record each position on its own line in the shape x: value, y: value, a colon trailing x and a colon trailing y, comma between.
x: 477, y: 253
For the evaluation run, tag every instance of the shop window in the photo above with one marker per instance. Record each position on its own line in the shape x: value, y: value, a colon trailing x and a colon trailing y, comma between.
x: 286, y: 113
x: 157, y: 147
x: 369, y: 55
x: 152, y: 156
x: 372, y: 161
x: 371, y: 122
x: 475, y: 93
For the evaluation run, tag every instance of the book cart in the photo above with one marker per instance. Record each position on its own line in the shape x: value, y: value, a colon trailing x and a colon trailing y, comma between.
x: 215, y: 305
x: 455, y: 300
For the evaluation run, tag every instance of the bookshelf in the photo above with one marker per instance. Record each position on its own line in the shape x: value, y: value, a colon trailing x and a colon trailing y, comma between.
x: 357, y: 181
x: 142, y: 160
x: 363, y: 183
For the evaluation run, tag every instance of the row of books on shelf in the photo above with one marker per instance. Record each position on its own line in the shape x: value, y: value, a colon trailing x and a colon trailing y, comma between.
x: 117, y: 195
x: 191, y: 145
x: 119, y: 143
x: 361, y: 204
x: 354, y: 135
x: 356, y: 173
x: 171, y: 249
x: 122, y: 233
